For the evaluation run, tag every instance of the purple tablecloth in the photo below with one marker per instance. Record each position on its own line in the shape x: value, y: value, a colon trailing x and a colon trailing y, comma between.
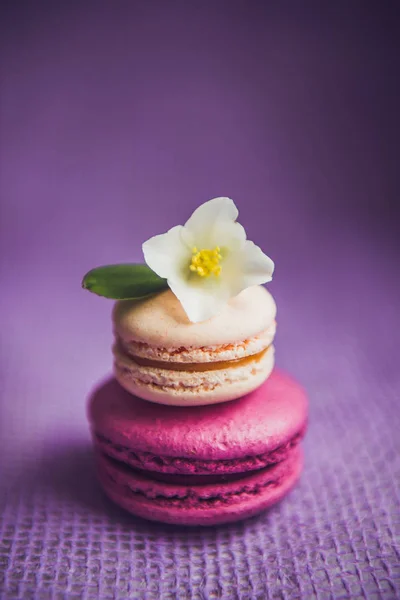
x: 117, y: 120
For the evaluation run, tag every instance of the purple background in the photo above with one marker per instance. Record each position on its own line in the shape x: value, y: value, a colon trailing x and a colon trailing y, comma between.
x: 117, y: 120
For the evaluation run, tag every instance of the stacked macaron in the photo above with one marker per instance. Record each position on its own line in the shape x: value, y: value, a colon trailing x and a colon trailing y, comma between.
x: 160, y: 356
x: 197, y: 427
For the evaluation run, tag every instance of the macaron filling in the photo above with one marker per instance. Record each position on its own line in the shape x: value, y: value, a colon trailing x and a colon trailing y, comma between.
x: 188, y: 354
x: 142, y: 485
x: 185, y: 479
x: 195, y: 367
x: 146, y: 461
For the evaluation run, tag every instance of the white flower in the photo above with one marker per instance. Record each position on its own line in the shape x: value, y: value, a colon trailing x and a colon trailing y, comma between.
x: 208, y: 260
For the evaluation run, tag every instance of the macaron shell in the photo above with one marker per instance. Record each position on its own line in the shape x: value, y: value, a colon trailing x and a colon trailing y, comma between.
x: 160, y: 321
x: 199, y: 505
x: 259, y: 423
x: 191, y: 388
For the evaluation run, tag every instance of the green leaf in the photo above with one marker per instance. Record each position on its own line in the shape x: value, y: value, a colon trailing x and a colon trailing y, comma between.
x: 123, y: 282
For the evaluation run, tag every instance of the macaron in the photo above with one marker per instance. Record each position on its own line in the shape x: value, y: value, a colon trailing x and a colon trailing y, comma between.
x: 205, y: 466
x: 160, y: 356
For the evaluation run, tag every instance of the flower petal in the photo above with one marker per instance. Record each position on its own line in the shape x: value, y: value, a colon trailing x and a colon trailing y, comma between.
x: 256, y: 264
x: 200, y: 302
x: 208, y: 214
x: 227, y: 235
x: 167, y: 254
x: 253, y: 267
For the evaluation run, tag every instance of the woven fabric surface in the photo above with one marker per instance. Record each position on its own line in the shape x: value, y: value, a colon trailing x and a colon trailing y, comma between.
x: 118, y: 119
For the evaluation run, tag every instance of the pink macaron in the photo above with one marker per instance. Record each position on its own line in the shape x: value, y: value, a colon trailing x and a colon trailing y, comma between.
x: 203, y: 466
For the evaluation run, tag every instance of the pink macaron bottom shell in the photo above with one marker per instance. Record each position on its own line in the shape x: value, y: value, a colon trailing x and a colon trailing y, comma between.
x: 201, y: 504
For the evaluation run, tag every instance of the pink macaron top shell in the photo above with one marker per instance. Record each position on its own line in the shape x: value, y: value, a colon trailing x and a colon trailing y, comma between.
x: 266, y: 420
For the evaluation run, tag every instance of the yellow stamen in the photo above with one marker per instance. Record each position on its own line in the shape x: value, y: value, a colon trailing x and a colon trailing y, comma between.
x: 206, y: 262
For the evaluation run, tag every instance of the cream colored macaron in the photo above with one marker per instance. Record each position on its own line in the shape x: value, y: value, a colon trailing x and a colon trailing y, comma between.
x: 159, y: 355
